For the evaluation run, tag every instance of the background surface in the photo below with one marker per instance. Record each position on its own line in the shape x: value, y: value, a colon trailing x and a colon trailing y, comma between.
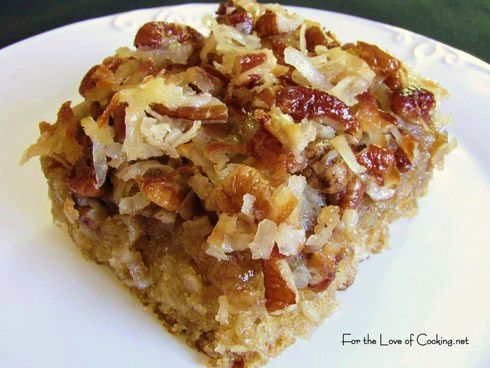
x: 464, y: 24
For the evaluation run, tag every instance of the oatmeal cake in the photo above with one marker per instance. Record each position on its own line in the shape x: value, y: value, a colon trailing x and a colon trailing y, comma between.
x: 234, y: 181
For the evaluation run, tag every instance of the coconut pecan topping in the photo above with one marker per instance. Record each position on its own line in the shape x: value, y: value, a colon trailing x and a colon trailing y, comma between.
x: 255, y: 155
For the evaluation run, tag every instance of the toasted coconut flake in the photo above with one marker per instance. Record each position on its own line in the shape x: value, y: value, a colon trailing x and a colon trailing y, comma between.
x: 289, y: 239
x: 407, y: 143
x: 294, y: 136
x: 101, y: 138
x: 223, y: 310
x: 248, y: 206
x: 301, y: 277
x: 310, y: 200
x: 304, y: 66
x: 349, y: 221
x: 150, y: 137
x: 200, y: 185
x: 140, y: 168
x: 166, y: 135
x: 227, y: 236
x: 377, y: 192
x: 343, y: 148
x: 134, y: 204
x: 58, y: 140
x: 327, y: 221
x: 264, y: 239
x: 282, y: 204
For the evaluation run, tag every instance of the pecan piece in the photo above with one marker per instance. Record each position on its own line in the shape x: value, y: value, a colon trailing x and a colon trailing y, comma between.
x: 413, y: 103
x: 246, y: 179
x: 336, y: 177
x: 403, y: 164
x: 88, y: 82
x: 119, y: 121
x: 316, y: 37
x: 278, y: 48
x: 266, y: 25
x: 235, y: 16
x: 204, y: 81
x: 98, y: 81
x: 378, y: 60
x: 160, y: 34
x: 249, y: 61
x: 353, y: 194
x: 205, y: 113
x: 280, y: 291
x: 265, y: 148
x: 81, y: 180
x: 302, y: 102
x: 324, y: 267
x: 162, y: 191
x: 377, y: 160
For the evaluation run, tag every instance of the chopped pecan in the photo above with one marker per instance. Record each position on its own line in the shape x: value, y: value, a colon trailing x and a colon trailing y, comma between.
x: 280, y: 291
x: 205, y: 113
x: 267, y: 97
x: 266, y: 25
x: 413, y: 103
x: 247, y: 180
x: 336, y: 176
x: 249, y: 61
x: 235, y: 16
x: 88, y: 82
x: 81, y: 180
x: 265, y: 148
x: 377, y: 160
x: 393, y: 81
x: 302, y: 102
x: 160, y: 34
x: 98, y: 80
x: 204, y: 81
x: 164, y: 191
x: 278, y: 48
x: 372, y: 119
x: 353, y: 194
x: 403, y: 164
x: 119, y: 122
x: 253, y: 80
x: 316, y: 37
x: 214, y: 72
x: 324, y: 267
x: 378, y: 60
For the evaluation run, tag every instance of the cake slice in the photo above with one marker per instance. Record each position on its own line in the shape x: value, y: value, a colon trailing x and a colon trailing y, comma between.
x: 234, y: 181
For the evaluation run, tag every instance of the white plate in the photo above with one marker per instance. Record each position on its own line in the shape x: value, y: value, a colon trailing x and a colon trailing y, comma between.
x: 57, y: 310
